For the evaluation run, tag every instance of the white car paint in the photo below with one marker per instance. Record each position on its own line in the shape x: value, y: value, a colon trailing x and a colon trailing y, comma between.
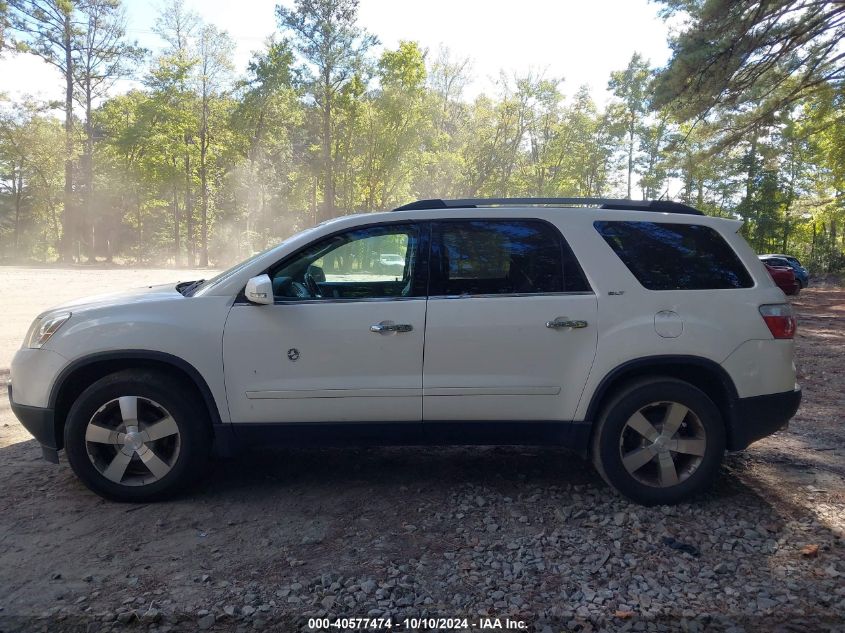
x: 342, y: 371
x: 474, y: 372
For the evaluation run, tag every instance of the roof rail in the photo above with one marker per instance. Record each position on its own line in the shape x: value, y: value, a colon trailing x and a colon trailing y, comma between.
x: 663, y: 206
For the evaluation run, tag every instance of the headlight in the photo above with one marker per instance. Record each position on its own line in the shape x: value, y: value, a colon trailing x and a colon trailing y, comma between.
x: 43, y: 328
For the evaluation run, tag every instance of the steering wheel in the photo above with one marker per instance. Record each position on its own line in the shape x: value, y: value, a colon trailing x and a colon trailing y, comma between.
x: 311, y: 284
x: 299, y: 290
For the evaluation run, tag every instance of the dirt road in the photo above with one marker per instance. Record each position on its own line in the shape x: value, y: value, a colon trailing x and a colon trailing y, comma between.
x: 533, y: 535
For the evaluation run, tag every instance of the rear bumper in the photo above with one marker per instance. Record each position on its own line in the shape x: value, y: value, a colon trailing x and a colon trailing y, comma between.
x: 41, y: 423
x: 759, y: 416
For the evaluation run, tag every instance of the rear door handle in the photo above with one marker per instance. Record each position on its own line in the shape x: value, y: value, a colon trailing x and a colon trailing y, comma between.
x: 563, y: 322
x: 388, y: 327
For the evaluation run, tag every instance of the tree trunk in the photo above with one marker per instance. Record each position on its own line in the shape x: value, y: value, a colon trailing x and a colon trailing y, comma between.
x: 328, y: 172
x: 86, y: 216
x: 204, y: 183
x: 140, y: 227
x: 189, y: 210
x: 177, y: 246
x: 314, y: 201
x: 17, y: 189
x: 750, y: 184
x: 630, y: 155
x: 813, y: 245
x: 68, y: 227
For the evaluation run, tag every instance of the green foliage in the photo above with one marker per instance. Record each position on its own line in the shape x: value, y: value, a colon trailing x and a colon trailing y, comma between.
x: 30, y: 184
x: 200, y: 167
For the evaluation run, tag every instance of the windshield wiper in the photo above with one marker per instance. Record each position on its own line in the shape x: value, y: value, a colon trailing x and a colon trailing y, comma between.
x: 187, y: 287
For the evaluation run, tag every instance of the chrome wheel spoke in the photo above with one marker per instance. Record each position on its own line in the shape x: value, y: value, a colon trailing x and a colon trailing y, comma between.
x: 638, y: 458
x: 129, y: 410
x: 688, y: 446
x: 163, y: 428
x: 100, y: 435
x: 668, y: 456
x: 675, y: 414
x: 117, y: 467
x: 152, y: 461
x: 642, y: 426
x: 668, y: 473
x: 128, y: 426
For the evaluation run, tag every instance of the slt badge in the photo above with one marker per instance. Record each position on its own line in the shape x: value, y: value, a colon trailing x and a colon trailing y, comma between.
x: 293, y: 354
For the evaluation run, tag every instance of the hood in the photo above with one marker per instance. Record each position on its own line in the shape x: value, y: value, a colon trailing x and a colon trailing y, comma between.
x: 160, y: 292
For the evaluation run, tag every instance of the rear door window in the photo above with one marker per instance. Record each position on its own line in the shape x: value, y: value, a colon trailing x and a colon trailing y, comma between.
x: 665, y: 256
x: 502, y: 257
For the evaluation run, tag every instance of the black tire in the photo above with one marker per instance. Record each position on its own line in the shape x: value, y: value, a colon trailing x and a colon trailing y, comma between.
x: 612, y: 433
x: 177, y: 397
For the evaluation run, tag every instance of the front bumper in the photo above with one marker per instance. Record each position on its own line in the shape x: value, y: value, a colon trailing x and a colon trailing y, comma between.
x: 759, y: 416
x: 41, y: 423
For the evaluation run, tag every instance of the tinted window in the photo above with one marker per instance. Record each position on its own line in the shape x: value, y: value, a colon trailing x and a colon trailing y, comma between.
x: 502, y: 257
x: 675, y: 256
x: 777, y: 261
x: 371, y: 263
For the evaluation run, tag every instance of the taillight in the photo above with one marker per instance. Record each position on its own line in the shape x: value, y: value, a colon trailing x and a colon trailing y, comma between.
x: 780, y: 318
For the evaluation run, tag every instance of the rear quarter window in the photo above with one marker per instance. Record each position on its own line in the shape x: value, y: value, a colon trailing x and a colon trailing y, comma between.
x: 665, y: 256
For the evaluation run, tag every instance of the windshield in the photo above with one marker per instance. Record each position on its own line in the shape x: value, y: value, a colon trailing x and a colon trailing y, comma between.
x: 207, y: 285
x: 226, y: 274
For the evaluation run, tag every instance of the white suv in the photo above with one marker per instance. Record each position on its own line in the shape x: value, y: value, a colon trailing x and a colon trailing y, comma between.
x: 643, y: 333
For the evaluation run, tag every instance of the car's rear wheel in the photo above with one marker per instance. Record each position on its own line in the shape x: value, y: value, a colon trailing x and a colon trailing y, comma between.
x: 137, y: 436
x: 659, y: 441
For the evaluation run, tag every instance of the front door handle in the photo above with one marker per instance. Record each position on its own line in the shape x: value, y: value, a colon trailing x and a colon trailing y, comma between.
x: 388, y: 327
x: 562, y: 322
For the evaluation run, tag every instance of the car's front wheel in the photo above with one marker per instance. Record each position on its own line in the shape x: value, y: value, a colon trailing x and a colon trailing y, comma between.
x: 137, y: 436
x: 659, y: 441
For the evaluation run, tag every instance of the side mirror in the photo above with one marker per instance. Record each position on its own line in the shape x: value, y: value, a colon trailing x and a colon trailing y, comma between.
x: 260, y: 290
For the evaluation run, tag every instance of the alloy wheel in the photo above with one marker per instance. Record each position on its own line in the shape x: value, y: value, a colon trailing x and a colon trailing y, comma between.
x: 132, y: 441
x: 662, y: 444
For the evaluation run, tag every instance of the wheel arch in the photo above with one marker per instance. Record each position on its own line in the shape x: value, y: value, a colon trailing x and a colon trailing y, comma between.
x: 702, y: 373
x: 82, y: 372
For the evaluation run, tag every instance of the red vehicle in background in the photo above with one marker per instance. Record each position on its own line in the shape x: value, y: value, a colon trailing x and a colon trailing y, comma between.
x: 784, y: 278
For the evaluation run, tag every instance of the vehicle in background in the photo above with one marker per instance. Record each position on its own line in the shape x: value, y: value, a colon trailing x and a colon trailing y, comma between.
x: 783, y: 276
x: 801, y: 273
x: 392, y: 259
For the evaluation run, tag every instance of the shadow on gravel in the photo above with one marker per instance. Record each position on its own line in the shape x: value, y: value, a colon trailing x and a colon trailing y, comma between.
x: 394, y: 467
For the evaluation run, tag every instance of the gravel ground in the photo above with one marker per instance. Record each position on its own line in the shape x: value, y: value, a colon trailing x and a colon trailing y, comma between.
x: 530, y: 535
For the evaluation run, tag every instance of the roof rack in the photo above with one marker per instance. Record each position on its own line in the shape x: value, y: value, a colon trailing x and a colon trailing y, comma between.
x: 662, y: 206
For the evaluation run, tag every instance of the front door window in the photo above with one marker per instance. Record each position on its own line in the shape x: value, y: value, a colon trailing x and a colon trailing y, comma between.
x: 377, y: 262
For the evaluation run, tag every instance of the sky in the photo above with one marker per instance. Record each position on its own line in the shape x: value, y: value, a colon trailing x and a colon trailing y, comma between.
x: 580, y: 41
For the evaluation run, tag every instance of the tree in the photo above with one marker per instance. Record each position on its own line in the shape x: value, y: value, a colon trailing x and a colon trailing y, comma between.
x: 762, y: 56
x: 30, y: 180
x: 332, y: 47
x: 4, y: 23
x: 631, y: 88
x: 214, y: 67
x: 440, y: 174
x: 169, y: 121
x: 51, y: 30
x: 268, y: 131
x: 397, y: 128
x: 102, y: 58
x: 125, y: 158
x: 178, y: 26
